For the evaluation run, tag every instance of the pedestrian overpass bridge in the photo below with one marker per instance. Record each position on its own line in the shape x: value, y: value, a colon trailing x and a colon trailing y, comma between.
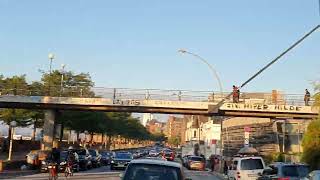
x: 272, y: 105
x: 171, y: 102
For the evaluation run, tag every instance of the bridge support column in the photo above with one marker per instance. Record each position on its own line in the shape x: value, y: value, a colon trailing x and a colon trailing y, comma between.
x: 49, y: 136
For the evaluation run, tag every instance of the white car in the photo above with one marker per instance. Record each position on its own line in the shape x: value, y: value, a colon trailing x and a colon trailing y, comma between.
x: 314, y: 175
x: 246, y: 168
x: 153, y: 153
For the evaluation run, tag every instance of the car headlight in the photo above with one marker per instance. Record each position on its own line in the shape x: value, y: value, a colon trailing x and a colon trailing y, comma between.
x: 63, y: 163
x: 112, y: 161
x: 43, y: 162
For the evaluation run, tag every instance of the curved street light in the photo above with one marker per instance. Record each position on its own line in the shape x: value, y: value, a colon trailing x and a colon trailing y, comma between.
x: 215, y: 74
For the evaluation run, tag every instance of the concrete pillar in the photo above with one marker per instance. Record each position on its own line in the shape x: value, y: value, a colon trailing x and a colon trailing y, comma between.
x: 48, y: 130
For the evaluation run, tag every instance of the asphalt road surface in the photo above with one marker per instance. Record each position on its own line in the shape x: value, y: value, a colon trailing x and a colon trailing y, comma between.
x: 105, y: 173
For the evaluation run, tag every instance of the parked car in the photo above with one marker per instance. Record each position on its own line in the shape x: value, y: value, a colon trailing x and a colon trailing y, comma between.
x: 314, y: 175
x: 246, y: 168
x: 168, y: 154
x: 106, y: 157
x: 121, y: 160
x: 96, y: 158
x: 285, y: 171
x: 196, y: 163
x: 85, y: 159
x: 154, y: 169
x: 63, y: 161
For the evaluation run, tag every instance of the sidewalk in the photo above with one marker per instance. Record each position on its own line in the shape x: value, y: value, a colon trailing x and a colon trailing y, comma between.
x: 6, y: 174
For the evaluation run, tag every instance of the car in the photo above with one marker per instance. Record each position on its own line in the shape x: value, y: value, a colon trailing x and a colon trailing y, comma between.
x: 168, y: 154
x: 64, y: 158
x: 120, y: 160
x: 96, y: 158
x: 314, y: 175
x: 106, y: 157
x: 185, y: 160
x: 153, y: 153
x: 154, y: 169
x: 85, y: 159
x: 246, y: 168
x: 196, y: 163
x: 285, y: 171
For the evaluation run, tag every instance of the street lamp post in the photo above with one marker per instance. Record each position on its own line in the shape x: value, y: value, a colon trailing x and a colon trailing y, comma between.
x: 216, y: 76
x: 62, y: 77
x: 51, y: 56
x: 12, y: 125
x: 214, y: 72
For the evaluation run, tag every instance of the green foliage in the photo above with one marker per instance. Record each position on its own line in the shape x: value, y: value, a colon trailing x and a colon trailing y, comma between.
x: 175, y: 141
x: 311, y: 145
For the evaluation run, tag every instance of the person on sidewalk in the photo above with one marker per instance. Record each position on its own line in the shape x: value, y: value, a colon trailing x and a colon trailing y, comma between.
x: 307, y: 97
x: 212, y: 162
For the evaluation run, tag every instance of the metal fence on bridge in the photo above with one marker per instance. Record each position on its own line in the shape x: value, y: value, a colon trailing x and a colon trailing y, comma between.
x: 158, y: 94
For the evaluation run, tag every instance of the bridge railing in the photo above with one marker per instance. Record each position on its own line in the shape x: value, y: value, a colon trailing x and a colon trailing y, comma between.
x: 156, y: 94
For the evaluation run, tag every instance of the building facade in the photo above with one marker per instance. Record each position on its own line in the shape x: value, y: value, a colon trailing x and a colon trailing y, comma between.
x: 174, y: 127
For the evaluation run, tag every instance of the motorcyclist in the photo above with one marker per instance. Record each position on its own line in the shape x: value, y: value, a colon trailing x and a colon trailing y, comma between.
x: 70, y: 157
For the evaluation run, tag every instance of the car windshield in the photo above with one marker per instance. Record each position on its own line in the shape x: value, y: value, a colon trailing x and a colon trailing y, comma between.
x: 123, y: 156
x: 251, y: 164
x: 81, y: 152
x: 156, y: 172
x: 295, y: 171
x: 196, y: 158
x: 92, y: 152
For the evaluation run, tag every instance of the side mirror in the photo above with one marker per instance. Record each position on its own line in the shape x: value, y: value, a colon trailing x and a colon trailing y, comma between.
x: 259, y: 174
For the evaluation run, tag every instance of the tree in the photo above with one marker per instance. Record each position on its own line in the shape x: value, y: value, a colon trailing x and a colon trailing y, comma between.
x: 16, y: 85
x: 311, y: 139
x: 175, y: 141
x: 311, y: 145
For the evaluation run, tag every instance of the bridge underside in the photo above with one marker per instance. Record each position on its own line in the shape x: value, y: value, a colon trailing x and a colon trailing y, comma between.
x: 161, y: 110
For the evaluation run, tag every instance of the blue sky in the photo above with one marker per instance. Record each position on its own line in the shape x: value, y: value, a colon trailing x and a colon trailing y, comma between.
x: 134, y: 43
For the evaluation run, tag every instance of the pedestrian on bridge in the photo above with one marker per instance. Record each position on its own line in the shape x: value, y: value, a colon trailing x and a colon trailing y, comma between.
x: 307, y: 97
x: 235, y: 94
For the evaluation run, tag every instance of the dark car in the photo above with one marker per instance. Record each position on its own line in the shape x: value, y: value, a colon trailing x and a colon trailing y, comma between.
x: 106, y: 157
x: 154, y: 169
x: 96, y: 158
x: 121, y: 160
x: 85, y: 159
x: 64, y: 155
x: 168, y: 154
x: 285, y: 171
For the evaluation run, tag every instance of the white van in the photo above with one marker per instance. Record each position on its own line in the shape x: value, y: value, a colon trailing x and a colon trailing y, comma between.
x: 245, y: 168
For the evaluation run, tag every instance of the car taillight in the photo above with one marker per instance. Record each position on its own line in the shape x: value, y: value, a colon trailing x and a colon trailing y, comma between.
x: 286, y: 178
x: 238, y: 175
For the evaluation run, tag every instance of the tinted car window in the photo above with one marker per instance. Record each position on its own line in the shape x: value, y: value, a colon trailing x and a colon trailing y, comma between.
x: 148, y: 171
x: 81, y: 152
x: 92, y: 152
x: 196, y: 158
x: 63, y: 155
x: 251, y: 164
x: 123, y: 156
x: 295, y: 171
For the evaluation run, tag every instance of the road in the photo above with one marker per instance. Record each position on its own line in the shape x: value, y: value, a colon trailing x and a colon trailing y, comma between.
x: 105, y: 173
